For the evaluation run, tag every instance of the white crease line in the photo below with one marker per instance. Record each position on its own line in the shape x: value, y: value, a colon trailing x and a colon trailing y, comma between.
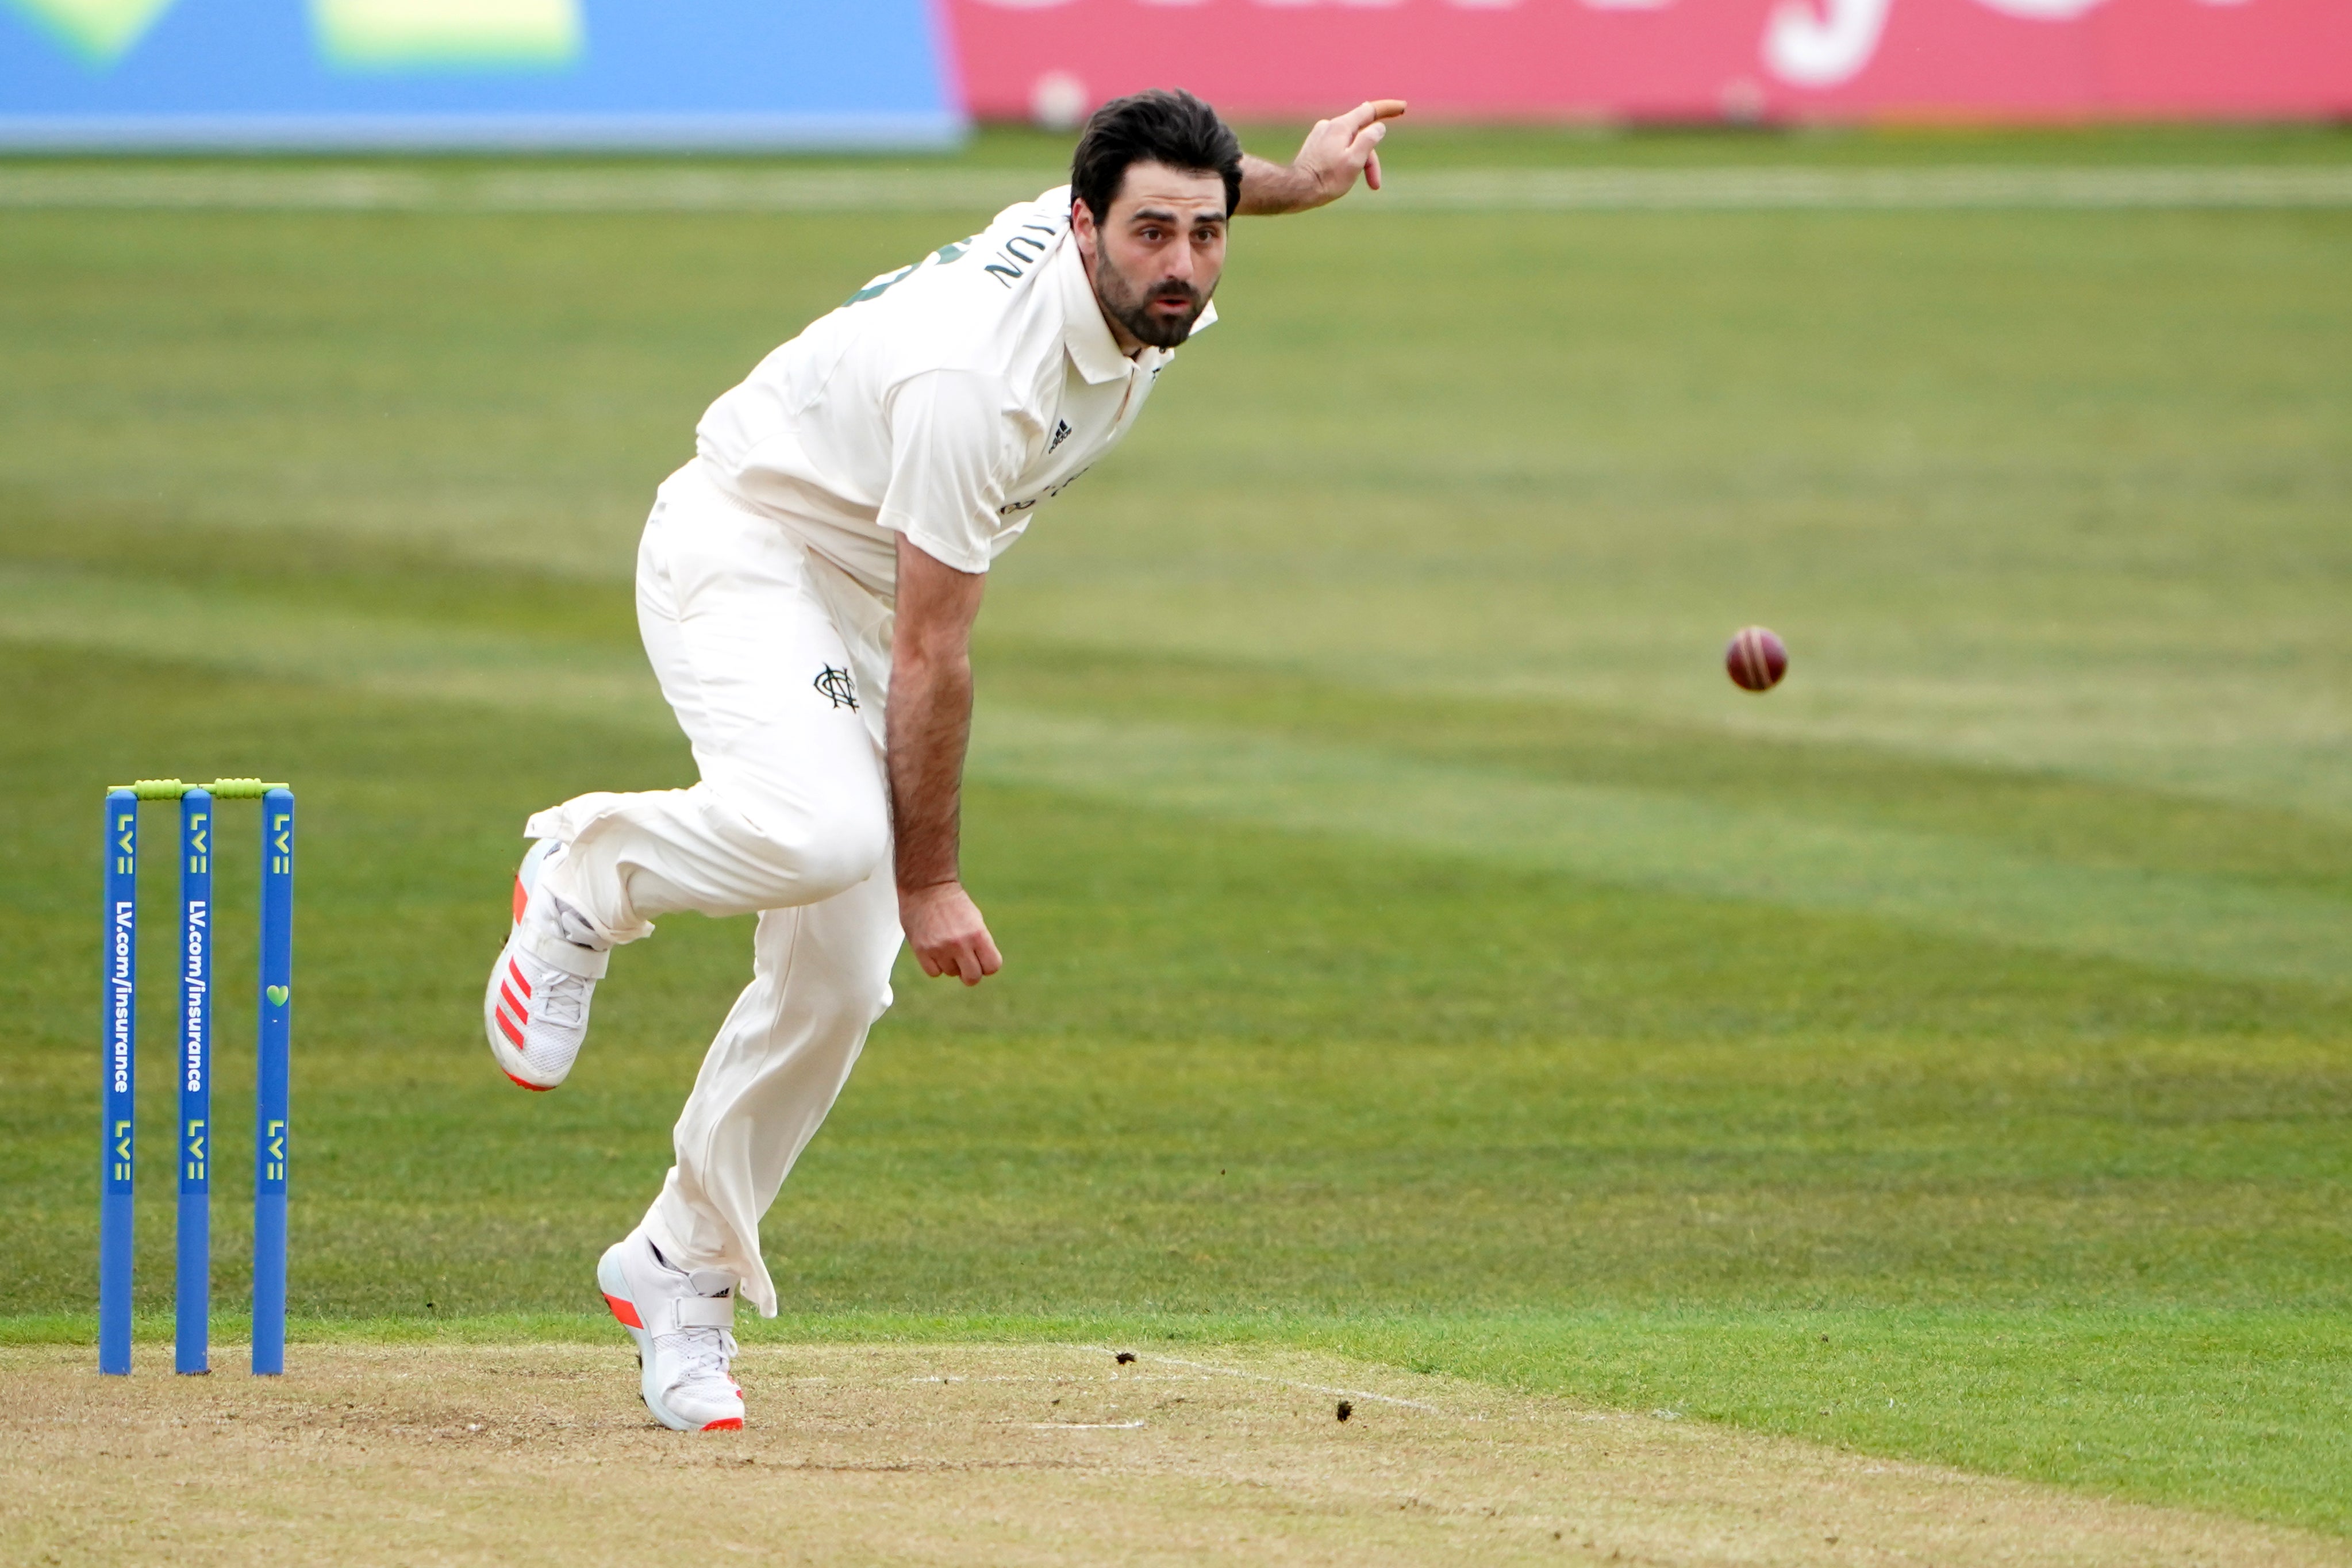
x: 360, y: 188
x: 1284, y: 1382
x: 1084, y: 1425
x: 1058, y: 1379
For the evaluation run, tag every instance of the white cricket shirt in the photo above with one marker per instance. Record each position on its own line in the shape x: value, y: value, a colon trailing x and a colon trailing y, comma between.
x: 946, y: 401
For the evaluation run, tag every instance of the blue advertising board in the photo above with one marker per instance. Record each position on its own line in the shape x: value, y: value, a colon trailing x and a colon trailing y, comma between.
x: 473, y: 73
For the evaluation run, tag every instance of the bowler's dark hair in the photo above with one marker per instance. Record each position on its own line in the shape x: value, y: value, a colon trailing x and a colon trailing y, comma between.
x: 1166, y: 125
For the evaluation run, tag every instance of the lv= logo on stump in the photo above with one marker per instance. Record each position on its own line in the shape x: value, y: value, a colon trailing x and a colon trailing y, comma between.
x: 193, y: 966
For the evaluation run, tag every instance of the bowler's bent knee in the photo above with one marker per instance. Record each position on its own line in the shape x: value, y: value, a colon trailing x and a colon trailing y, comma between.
x: 792, y: 853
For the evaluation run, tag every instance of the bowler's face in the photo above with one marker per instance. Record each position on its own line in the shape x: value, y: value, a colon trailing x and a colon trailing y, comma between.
x: 1155, y: 257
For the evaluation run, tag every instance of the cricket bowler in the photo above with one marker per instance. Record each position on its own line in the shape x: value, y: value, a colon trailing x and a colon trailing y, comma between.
x: 807, y: 589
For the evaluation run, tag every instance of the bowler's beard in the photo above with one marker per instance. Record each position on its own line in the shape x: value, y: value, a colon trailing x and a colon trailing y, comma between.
x: 1131, y: 306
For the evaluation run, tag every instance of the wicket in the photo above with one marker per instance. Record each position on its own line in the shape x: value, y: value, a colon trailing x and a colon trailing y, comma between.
x: 194, y: 962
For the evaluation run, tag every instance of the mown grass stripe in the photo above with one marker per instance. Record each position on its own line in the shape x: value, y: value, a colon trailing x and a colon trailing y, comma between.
x: 1624, y: 836
x: 393, y: 657
x: 359, y: 188
x: 1651, y: 838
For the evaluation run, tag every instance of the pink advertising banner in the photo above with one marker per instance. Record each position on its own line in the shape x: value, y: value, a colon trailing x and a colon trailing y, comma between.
x: 1683, y: 60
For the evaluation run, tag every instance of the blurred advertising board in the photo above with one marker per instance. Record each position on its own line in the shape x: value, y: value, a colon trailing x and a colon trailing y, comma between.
x: 425, y: 73
x: 1679, y: 60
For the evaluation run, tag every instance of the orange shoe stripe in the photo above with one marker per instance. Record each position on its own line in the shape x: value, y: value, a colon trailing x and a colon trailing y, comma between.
x: 505, y: 1027
x: 625, y: 1310
x: 524, y: 986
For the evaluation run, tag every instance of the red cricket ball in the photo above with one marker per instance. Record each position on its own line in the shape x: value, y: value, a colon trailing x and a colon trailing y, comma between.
x: 1756, y: 660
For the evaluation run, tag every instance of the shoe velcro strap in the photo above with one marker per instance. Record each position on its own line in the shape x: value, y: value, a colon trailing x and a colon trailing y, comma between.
x: 706, y: 1312
x: 588, y: 963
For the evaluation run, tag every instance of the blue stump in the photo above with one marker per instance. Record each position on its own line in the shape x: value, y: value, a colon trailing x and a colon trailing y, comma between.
x: 273, y: 1086
x: 117, y: 1115
x: 192, y: 1330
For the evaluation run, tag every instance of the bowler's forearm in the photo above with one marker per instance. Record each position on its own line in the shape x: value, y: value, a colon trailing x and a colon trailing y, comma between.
x: 1270, y: 188
x: 929, y: 728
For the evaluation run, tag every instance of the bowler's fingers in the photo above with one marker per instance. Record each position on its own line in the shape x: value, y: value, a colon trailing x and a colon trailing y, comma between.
x: 1372, y: 111
x: 1367, y: 125
x: 971, y: 959
x: 976, y: 961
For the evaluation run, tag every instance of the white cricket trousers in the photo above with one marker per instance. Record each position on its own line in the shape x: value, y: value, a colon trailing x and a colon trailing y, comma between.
x: 776, y: 663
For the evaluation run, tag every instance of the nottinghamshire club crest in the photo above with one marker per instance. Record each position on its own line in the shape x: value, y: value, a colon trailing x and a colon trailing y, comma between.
x: 837, y: 687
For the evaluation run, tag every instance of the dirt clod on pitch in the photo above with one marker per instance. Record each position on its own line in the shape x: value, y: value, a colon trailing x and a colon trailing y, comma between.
x: 964, y: 1453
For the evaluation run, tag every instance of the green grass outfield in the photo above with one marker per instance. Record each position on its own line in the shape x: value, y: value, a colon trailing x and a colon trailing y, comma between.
x: 1416, y: 947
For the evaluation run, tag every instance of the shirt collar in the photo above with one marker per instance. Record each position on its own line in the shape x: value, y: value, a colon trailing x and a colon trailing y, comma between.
x: 1092, y: 347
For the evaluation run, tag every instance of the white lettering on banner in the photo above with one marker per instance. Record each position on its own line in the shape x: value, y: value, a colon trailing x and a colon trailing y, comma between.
x: 1342, y: 5
x: 1807, y: 43
x: 1808, y: 48
x: 2040, y: 10
x: 1812, y: 43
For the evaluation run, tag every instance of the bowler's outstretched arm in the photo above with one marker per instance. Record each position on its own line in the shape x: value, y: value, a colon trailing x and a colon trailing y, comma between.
x: 1334, y: 153
x: 929, y: 726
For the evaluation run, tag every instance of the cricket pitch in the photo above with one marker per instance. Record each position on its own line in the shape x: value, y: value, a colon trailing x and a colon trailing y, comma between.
x: 965, y: 1454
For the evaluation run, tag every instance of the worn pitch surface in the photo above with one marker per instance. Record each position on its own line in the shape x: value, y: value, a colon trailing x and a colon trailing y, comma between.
x: 962, y: 1454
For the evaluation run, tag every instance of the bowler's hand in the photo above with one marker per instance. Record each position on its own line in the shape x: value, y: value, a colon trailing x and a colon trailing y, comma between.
x: 944, y: 928
x: 1328, y: 160
x: 1337, y: 151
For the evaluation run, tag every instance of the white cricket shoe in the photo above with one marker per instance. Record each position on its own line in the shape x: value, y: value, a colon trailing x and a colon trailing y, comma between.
x: 681, y: 1323
x: 535, y: 1008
